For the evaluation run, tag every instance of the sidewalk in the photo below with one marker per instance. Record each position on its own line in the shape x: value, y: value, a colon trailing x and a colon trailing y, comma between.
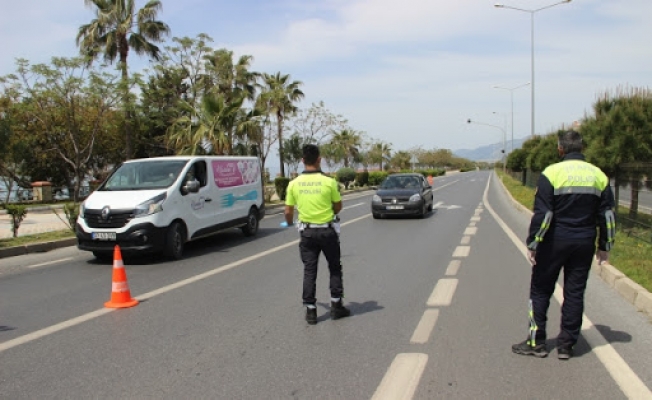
x: 35, y: 222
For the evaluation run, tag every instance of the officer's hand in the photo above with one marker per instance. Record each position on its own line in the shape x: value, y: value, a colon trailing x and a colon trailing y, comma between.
x: 532, y: 257
x: 602, y: 256
x: 284, y: 224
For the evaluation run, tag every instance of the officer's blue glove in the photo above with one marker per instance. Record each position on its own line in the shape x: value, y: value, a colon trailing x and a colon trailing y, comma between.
x: 284, y: 224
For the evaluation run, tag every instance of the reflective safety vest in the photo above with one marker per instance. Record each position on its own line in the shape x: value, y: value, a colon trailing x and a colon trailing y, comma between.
x: 573, y: 197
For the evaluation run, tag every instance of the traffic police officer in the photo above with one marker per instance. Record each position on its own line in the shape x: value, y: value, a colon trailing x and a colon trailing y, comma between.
x: 318, y: 201
x: 572, y: 198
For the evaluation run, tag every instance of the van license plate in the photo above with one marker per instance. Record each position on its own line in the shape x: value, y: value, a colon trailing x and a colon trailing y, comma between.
x: 103, y: 236
x: 394, y: 207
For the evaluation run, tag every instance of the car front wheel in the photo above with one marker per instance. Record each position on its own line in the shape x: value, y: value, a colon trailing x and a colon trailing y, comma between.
x: 175, y: 240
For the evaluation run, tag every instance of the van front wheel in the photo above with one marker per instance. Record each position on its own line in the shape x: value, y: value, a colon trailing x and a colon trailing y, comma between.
x: 252, y: 224
x: 175, y: 240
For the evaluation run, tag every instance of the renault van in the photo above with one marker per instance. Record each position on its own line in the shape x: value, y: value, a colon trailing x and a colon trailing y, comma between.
x: 156, y: 205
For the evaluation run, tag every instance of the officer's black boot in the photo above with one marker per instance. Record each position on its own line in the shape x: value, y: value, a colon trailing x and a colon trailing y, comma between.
x: 311, y: 315
x: 338, y: 310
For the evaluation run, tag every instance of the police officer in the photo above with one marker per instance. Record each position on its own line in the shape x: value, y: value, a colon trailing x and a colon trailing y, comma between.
x: 318, y: 202
x: 573, y: 197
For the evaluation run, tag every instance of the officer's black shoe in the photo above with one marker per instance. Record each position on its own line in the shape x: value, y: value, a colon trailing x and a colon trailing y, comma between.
x: 338, y: 310
x: 311, y: 315
x: 526, y: 349
x: 564, y: 352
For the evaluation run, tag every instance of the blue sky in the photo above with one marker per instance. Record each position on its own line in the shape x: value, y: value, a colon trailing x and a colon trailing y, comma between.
x: 407, y: 72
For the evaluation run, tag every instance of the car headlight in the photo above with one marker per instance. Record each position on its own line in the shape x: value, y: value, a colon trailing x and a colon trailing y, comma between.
x: 82, y: 209
x: 151, y: 206
x: 376, y: 199
x: 415, y: 197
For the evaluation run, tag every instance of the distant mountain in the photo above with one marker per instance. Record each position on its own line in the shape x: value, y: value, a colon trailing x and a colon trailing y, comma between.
x: 489, y: 153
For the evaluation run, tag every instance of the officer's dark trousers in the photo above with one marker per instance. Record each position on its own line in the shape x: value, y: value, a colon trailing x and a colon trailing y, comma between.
x: 575, y: 257
x: 313, y: 242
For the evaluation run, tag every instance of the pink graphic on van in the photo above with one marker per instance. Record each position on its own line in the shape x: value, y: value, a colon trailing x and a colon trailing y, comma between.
x: 235, y: 173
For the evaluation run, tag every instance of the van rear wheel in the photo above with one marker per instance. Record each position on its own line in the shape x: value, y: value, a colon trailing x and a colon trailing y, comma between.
x: 175, y: 239
x: 252, y: 223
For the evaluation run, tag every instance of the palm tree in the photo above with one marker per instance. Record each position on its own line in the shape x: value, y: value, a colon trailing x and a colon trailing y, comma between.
x: 380, y: 152
x: 278, y: 98
x: 117, y: 29
x: 207, y: 129
x: 349, y: 142
x: 233, y: 80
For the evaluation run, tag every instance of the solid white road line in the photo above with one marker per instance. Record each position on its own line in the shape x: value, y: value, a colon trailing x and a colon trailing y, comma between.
x: 442, y: 294
x: 402, y: 377
x: 50, y: 262
x: 437, y: 204
x: 462, y: 251
x: 620, y: 371
x: 453, y: 267
x: 97, y: 313
x: 426, y: 325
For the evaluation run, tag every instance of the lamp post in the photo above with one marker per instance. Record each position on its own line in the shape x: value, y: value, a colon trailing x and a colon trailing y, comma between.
x: 469, y: 121
x: 511, y: 93
x: 532, y: 12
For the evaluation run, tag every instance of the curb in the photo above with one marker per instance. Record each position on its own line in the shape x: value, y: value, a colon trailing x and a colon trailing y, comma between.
x: 629, y: 290
x: 56, y: 244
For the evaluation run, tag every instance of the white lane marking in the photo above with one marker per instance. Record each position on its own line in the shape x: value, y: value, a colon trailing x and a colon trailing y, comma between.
x: 475, y: 219
x: 353, y: 205
x: 465, y: 240
x: 472, y: 224
x: 426, y: 325
x: 620, y: 371
x: 437, y: 204
x: 453, y: 267
x: 471, y: 231
x: 442, y: 294
x: 478, y: 211
x: 50, y: 262
x: 97, y: 313
x: 402, y: 377
x: 443, y: 186
x: 462, y: 251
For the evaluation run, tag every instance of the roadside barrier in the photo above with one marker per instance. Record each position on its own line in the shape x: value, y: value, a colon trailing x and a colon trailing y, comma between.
x: 120, y: 294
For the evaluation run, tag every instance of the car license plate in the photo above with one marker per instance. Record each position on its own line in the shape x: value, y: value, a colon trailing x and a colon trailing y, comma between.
x: 394, y: 207
x: 103, y: 236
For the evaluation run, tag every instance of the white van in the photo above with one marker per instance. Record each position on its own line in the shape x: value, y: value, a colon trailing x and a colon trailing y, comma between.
x: 158, y: 204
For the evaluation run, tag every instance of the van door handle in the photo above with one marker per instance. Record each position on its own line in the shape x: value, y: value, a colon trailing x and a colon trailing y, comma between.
x: 208, y: 200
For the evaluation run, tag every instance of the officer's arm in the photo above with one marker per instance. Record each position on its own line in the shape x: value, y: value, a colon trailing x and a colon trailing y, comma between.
x: 337, y: 207
x: 606, y: 220
x: 543, y: 207
x: 289, y: 214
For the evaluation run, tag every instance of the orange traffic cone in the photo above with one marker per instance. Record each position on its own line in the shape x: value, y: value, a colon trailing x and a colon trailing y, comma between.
x: 120, y: 294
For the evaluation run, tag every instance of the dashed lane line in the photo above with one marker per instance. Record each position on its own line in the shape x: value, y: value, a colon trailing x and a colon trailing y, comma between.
x: 453, y: 267
x: 471, y: 231
x: 426, y: 325
x: 462, y: 251
x: 442, y: 294
x: 465, y: 240
x: 50, y: 262
x: 402, y: 377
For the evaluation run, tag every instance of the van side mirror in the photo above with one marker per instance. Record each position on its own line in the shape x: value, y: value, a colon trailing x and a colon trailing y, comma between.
x: 190, y: 187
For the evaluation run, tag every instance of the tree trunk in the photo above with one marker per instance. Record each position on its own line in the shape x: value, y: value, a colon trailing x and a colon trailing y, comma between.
x: 279, y: 117
x: 124, y: 51
x: 633, y: 207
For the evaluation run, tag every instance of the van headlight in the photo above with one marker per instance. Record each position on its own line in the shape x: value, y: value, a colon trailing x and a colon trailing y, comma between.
x: 82, y: 209
x: 415, y: 198
x: 151, y: 206
x: 376, y: 199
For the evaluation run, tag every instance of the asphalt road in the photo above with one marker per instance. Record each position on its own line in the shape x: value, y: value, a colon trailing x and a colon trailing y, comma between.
x: 436, y: 302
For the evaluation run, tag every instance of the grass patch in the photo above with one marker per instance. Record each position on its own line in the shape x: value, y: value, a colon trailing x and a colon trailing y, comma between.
x: 630, y: 255
x: 39, y: 238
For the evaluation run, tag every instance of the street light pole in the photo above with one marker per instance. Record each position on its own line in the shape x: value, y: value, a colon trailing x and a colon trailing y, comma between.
x: 532, y: 12
x: 469, y: 121
x: 511, y: 92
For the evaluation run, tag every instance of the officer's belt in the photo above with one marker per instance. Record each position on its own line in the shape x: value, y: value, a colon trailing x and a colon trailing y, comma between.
x: 316, y: 226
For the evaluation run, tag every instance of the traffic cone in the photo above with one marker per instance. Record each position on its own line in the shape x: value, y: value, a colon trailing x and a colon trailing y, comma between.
x: 120, y: 294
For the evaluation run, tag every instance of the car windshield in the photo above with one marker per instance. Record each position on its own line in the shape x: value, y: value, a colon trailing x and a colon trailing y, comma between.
x: 400, y: 182
x: 145, y: 175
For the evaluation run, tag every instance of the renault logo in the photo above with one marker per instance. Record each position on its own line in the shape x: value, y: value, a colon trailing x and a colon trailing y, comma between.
x: 393, y: 201
x: 105, y: 213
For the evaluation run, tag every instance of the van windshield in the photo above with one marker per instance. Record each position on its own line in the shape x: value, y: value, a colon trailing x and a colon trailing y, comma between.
x: 146, y: 175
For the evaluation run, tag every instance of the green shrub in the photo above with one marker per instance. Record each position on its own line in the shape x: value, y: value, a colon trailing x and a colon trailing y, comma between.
x: 362, y: 178
x: 71, y: 211
x: 377, y: 177
x: 18, y: 214
x: 345, y: 176
x: 281, y: 184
